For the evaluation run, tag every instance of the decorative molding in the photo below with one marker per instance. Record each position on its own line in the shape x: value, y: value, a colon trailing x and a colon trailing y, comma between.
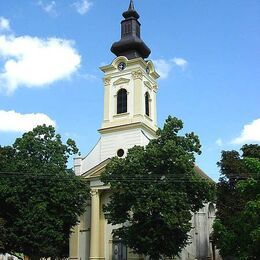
x: 107, y: 81
x: 96, y: 171
x: 121, y: 81
x: 117, y: 60
x: 148, y: 84
x: 85, y: 230
x: 94, y: 192
x: 127, y: 92
x: 148, y: 118
x: 138, y: 74
x: 114, y: 128
x: 155, y: 86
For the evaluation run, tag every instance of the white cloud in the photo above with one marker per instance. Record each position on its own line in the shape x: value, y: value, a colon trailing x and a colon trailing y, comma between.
x: 180, y: 62
x: 250, y: 133
x: 219, y: 142
x: 48, y: 7
x: 82, y: 6
x: 4, y: 24
x: 164, y: 67
x: 34, y: 62
x: 11, y: 121
x: 89, y: 76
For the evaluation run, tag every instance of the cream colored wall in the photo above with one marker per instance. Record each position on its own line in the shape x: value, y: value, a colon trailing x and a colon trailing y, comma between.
x: 136, y: 81
x: 74, y: 243
x: 80, y: 237
x: 129, y: 86
x: 107, y: 233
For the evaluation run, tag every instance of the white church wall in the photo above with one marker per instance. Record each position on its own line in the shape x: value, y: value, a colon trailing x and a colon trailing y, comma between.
x: 92, y: 159
x: 112, y: 142
x: 202, y: 236
x: 109, y: 144
x: 145, y: 138
x: 200, y: 247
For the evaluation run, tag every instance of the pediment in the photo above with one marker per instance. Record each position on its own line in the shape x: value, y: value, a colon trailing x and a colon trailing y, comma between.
x: 121, y: 81
x: 96, y: 171
x: 148, y: 84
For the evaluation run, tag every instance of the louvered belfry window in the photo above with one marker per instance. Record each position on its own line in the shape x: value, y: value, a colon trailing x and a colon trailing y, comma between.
x: 121, y: 101
x: 147, y: 108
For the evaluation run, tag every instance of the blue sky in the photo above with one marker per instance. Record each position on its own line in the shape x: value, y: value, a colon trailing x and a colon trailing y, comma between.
x: 207, y: 53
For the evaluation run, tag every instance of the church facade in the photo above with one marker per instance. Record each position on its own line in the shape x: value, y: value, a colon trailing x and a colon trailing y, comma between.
x: 130, y: 118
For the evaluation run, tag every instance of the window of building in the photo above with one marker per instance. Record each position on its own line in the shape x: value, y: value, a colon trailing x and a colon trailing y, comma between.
x: 119, y: 249
x: 147, y: 104
x: 121, y: 101
x: 120, y: 153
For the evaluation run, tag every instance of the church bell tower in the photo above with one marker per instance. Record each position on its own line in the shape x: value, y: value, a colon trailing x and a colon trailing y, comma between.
x: 130, y: 88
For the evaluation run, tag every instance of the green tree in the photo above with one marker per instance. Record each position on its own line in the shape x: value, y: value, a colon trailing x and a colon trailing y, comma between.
x: 237, y: 225
x: 40, y: 198
x: 2, y: 231
x: 154, y: 191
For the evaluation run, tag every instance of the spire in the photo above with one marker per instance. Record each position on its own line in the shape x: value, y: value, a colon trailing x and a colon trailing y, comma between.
x: 130, y: 44
x: 131, y: 6
x: 131, y: 11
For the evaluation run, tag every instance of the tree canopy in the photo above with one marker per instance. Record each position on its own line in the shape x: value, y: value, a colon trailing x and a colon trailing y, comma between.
x: 237, y: 225
x: 40, y: 197
x: 154, y: 191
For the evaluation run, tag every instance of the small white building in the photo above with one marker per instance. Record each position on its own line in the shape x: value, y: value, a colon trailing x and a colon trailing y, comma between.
x: 130, y: 118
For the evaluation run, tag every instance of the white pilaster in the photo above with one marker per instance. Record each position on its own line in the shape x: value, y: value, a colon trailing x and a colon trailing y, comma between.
x: 94, y: 235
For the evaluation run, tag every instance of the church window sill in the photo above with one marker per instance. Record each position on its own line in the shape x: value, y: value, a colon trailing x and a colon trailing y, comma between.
x: 121, y: 115
x: 148, y: 118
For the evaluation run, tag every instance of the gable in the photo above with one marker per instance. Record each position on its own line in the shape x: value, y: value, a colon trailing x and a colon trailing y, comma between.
x: 121, y: 81
x: 96, y: 171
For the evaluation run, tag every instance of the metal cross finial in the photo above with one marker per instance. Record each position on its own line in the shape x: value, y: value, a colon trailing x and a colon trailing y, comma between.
x: 131, y: 5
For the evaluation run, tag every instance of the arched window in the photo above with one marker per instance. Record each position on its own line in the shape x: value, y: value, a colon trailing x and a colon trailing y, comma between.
x: 121, y: 101
x: 147, y: 104
x: 211, y: 211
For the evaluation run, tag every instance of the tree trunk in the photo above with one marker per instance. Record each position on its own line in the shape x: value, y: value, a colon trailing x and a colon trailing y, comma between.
x: 155, y: 257
x: 33, y: 257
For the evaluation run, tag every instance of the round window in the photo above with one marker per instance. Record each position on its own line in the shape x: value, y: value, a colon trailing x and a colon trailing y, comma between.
x: 121, y: 66
x: 120, y: 153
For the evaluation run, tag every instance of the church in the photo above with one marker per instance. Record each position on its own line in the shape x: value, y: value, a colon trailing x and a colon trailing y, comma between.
x: 130, y: 118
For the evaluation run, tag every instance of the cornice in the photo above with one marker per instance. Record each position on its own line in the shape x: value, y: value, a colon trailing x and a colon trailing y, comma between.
x: 128, y: 126
x: 137, y: 74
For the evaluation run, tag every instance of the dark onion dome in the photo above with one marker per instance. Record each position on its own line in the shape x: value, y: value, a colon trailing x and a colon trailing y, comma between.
x: 131, y: 45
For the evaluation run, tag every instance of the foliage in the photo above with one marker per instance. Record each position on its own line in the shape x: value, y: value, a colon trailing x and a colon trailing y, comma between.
x: 40, y: 198
x: 237, y: 227
x: 2, y: 231
x: 154, y: 192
